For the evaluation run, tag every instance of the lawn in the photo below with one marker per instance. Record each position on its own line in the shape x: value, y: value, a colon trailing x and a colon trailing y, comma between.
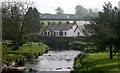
x: 24, y: 52
x: 46, y: 22
x: 35, y: 48
x: 101, y: 62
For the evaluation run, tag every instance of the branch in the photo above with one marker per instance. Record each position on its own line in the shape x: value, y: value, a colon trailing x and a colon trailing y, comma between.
x: 115, y: 51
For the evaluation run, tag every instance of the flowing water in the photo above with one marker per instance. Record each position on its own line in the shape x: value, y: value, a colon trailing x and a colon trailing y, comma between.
x: 55, y: 61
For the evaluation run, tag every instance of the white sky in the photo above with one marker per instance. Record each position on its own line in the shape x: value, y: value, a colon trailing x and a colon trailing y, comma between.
x: 49, y: 6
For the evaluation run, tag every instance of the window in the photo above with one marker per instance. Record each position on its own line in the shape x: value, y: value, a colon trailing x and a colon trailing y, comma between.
x: 57, y: 33
x: 45, y: 33
x: 65, y: 33
x: 78, y: 33
x: 54, y: 33
x: 48, y: 33
x: 61, y: 33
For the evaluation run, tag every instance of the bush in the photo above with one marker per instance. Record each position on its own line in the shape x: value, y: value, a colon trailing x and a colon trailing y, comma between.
x: 29, y: 56
x: 81, y: 61
x: 92, y: 49
x: 78, y: 45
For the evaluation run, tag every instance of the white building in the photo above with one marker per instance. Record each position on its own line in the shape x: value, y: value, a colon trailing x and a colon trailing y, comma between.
x: 65, y: 29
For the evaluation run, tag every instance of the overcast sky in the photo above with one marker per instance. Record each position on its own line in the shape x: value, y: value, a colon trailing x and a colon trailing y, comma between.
x: 49, y: 6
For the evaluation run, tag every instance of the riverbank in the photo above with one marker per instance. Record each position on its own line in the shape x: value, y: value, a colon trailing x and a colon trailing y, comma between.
x: 97, y: 62
x: 13, y: 59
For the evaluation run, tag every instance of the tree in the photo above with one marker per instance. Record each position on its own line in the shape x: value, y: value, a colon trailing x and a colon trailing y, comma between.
x: 91, y: 14
x: 14, y: 23
x: 0, y: 24
x: 84, y: 14
x: 32, y: 19
x: 80, y: 12
x: 59, y: 10
x: 102, y: 30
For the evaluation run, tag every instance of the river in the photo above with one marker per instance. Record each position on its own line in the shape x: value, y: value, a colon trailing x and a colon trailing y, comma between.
x: 55, y: 61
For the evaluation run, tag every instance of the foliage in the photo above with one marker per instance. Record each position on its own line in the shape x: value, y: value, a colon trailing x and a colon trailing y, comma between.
x: 57, y: 43
x: 80, y: 11
x: 91, y: 49
x: 103, y: 31
x: 15, y: 21
x: 81, y: 61
x: 32, y: 20
x: 24, y: 53
x: 84, y: 14
x: 99, y: 62
x: 60, y: 43
x: 78, y: 45
x: 16, y: 57
x: 59, y: 10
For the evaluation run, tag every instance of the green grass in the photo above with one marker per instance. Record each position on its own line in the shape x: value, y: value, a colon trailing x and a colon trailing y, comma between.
x: 46, y: 22
x: 35, y: 49
x: 101, y: 62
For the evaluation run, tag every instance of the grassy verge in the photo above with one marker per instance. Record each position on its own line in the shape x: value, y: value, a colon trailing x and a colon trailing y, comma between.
x: 35, y: 48
x: 45, y: 22
x: 99, y: 62
x: 24, y: 52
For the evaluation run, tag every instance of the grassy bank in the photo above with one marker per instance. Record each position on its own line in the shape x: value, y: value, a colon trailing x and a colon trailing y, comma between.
x: 45, y: 22
x: 56, y: 21
x: 98, y: 62
x: 24, y: 52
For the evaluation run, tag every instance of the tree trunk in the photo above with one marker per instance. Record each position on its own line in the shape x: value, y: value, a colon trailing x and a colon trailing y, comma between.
x: 30, y: 42
x: 18, y: 41
x: 111, y: 56
x: 16, y: 46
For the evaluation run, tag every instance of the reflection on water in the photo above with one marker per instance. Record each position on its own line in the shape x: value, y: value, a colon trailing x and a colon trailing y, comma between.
x: 55, y: 61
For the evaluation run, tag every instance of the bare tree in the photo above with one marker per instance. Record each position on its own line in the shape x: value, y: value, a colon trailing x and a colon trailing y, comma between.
x: 14, y: 24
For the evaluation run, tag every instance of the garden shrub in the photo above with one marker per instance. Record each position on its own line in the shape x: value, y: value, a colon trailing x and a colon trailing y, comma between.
x: 91, y: 49
x: 81, y: 61
x: 78, y: 45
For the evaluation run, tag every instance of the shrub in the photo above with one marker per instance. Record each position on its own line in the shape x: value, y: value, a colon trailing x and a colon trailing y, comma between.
x: 78, y: 45
x: 81, y: 61
x: 91, y: 49
x: 29, y: 55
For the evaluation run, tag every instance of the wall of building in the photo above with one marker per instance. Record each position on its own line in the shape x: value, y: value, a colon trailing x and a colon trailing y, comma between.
x: 70, y: 32
x: 79, y: 31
